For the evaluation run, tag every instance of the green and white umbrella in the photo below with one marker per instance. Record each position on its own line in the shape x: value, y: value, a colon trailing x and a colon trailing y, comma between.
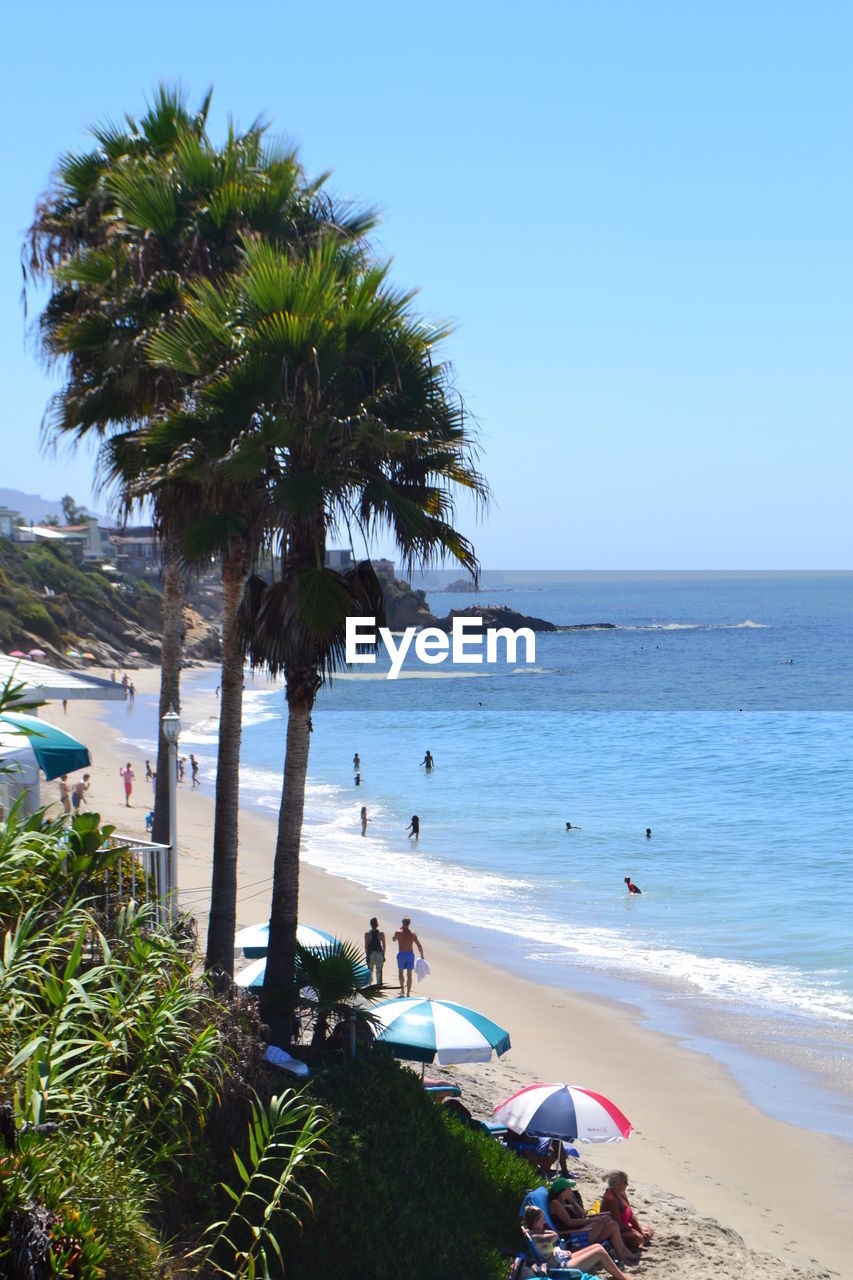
x: 54, y: 749
x: 253, y: 941
x: 423, y: 1030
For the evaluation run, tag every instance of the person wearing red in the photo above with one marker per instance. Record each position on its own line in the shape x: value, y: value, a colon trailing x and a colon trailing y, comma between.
x: 615, y: 1202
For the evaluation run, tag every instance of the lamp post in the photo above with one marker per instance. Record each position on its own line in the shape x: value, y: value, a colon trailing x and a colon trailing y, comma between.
x: 171, y: 732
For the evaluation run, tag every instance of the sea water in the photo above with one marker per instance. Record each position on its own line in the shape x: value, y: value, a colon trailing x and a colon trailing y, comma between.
x: 717, y: 711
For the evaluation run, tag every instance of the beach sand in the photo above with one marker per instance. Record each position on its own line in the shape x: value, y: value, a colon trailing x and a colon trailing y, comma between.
x: 730, y: 1191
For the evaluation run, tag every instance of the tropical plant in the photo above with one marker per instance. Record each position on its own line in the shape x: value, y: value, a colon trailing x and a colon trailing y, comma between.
x: 351, y: 418
x: 334, y: 985
x: 284, y: 1137
x: 119, y: 236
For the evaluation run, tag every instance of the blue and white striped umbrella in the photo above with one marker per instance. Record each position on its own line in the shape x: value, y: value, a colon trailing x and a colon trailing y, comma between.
x: 254, y: 940
x: 423, y: 1030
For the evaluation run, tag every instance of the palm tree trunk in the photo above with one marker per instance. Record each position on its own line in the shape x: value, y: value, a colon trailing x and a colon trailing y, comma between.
x: 171, y: 654
x: 223, y: 890
x: 278, y: 994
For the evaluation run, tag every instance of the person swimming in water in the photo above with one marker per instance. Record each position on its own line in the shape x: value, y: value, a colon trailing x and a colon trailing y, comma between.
x: 632, y: 888
x: 357, y: 779
x: 429, y: 761
x: 414, y: 828
x: 571, y: 827
x: 648, y: 833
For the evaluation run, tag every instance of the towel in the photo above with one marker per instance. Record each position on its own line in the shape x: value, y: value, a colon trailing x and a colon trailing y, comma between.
x: 421, y: 968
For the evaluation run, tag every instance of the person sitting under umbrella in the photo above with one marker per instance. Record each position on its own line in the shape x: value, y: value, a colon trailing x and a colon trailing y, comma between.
x: 546, y: 1249
x: 615, y: 1202
x: 568, y: 1214
x: 540, y: 1152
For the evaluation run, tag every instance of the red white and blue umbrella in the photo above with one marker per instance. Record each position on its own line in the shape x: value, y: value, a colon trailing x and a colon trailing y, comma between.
x: 564, y: 1111
x: 423, y: 1030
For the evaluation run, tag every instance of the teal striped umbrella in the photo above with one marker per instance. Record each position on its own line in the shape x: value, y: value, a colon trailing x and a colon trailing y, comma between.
x: 423, y: 1030
x: 54, y: 749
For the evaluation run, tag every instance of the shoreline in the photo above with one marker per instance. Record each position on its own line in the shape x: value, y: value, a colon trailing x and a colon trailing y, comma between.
x: 696, y: 1131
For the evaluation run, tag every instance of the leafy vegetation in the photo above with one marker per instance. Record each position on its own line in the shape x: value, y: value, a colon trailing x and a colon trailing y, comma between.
x: 410, y: 1187
x: 114, y: 1062
x: 85, y: 607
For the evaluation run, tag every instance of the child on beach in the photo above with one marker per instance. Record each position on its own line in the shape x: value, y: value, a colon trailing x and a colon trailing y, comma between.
x: 546, y: 1248
x: 128, y: 775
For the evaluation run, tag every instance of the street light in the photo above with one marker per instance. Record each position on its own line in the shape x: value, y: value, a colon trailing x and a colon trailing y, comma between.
x: 171, y: 732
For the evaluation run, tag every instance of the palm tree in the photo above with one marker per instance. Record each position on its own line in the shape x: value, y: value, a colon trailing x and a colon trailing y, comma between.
x: 122, y: 232
x: 334, y: 985
x: 351, y: 418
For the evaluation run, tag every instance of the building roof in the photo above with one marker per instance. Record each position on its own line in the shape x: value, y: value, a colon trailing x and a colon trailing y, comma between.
x: 50, y: 684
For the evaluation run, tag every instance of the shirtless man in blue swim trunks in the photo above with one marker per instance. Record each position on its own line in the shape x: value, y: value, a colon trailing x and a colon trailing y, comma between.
x: 406, y: 942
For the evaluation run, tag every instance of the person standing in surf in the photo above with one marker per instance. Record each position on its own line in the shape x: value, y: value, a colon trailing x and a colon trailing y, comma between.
x: 632, y: 888
x: 413, y: 830
x: 429, y: 761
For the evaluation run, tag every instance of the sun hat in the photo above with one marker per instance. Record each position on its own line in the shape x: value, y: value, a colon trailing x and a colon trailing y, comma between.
x: 561, y: 1184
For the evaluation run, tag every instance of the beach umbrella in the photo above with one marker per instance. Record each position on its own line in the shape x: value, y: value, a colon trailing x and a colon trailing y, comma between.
x: 54, y: 749
x: 37, y: 653
x: 72, y: 653
x: 17, y: 653
x: 254, y: 940
x: 89, y: 655
x: 564, y: 1111
x: 423, y: 1030
x: 134, y: 653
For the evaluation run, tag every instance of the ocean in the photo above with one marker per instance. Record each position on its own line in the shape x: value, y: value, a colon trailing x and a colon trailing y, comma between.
x: 716, y: 711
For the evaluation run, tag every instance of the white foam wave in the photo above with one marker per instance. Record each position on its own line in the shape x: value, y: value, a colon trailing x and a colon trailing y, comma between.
x: 454, y: 674
x: 697, y: 626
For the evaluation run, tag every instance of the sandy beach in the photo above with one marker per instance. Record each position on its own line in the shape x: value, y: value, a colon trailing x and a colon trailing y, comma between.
x: 730, y: 1191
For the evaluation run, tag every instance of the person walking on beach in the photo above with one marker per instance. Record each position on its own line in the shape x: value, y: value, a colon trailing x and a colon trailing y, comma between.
x: 149, y: 772
x: 413, y: 830
x: 182, y: 760
x: 364, y: 819
x: 632, y: 888
x: 78, y: 793
x: 128, y: 775
x: 429, y: 761
x: 374, y: 950
x: 406, y: 940
x: 65, y: 793
x: 194, y: 767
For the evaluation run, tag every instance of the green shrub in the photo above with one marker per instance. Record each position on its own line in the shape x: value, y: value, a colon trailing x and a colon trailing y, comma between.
x: 34, y: 617
x: 410, y: 1188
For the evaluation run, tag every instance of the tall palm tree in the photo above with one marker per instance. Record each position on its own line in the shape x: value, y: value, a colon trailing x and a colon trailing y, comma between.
x: 120, y: 235
x: 351, y: 418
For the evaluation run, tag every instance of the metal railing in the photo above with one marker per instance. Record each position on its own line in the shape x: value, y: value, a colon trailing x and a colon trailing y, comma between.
x: 146, y: 880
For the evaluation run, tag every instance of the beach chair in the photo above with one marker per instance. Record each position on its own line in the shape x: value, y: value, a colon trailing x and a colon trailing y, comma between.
x: 555, y: 1272
x: 539, y: 1197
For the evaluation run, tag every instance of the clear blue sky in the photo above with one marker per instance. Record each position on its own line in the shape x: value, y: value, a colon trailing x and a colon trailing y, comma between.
x: 638, y: 214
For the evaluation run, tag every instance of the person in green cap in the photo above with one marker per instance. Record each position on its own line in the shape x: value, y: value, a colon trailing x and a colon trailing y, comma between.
x: 568, y: 1215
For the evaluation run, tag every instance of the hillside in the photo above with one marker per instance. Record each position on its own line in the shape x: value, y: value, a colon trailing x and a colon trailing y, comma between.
x: 48, y: 601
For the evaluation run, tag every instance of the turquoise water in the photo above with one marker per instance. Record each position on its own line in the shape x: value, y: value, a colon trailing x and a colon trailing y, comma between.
x: 690, y: 718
